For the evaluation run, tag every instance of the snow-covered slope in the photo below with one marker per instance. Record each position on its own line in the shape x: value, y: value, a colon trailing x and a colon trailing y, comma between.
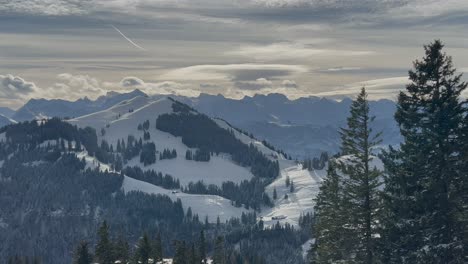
x: 6, y: 121
x: 301, y: 201
x: 212, y: 206
x: 123, y: 119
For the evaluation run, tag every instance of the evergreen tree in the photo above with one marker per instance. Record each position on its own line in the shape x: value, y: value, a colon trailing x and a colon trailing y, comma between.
x: 104, y: 245
x: 275, y: 194
x: 157, y: 248
x: 361, y: 186
x: 291, y: 187
x: 81, y: 254
x: 219, y: 254
x: 180, y: 255
x: 424, y: 181
x: 330, y: 233
x: 202, y: 248
x: 121, y: 250
x: 192, y: 255
x: 143, y: 251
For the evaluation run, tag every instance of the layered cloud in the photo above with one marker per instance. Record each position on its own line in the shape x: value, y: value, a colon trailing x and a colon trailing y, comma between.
x: 237, y: 72
x: 377, y: 89
x: 284, y: 51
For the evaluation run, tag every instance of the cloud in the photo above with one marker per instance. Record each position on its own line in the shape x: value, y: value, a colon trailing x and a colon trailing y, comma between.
x: 238, y: 72
x: 131, y: 82
x: 257, y: 84
x: 14, y: 87
x: 377, y: 88
x: 289, y: 84
x: 341, y: 69
x: 47, y: 7
x: 284, y: 51
x: 72, y: 87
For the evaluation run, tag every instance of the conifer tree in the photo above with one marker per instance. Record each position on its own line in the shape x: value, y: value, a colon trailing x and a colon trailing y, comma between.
x: 219, y: 251
x: 104, y: 245
x: 347, y: 205
x: 275, y: 194
x: 202, y: 248
x: 330, y: 234
x: 424, y: 178
x: 81, y: 254
x: 143, y: 251
x: 362, y: 182
x: 180, y: 253
x: 157, y: 248
x: 121, y: 250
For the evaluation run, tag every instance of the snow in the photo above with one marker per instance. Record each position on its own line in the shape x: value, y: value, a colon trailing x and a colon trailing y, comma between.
x: 306, y: 185
x: 218, y: 170
x: 306, y: 247
x: 92, y: 162
x: 203, y: 205
x: 247, y: 140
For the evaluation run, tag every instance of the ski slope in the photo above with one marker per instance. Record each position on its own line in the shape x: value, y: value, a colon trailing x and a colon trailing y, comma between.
x: 301, y: 201
x: 119, y: 122
x: 212, y: 206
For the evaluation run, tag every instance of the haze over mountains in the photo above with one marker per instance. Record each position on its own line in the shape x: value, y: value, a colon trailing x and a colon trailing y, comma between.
x: 302, y: 128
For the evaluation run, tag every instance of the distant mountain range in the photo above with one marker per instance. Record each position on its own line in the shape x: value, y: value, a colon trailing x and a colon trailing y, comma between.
x: 39, y: 108
x: 303, y: 128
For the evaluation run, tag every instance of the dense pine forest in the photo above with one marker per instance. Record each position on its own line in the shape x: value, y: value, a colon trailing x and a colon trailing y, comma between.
x: 415, y: 209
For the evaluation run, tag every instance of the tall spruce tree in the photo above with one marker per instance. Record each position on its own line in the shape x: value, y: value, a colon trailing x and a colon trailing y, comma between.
x: 157, y: 248
x: 330, y: 234
x: 121, y: 250
x: 104, y: 252
x: 354, y: 195
x: 423, y: 183
x: 143, y: 251
x: 202, y: 248
x: 82, y: 255
x: 362, y: 181
x: 219, y: 254
x: 180, y: 256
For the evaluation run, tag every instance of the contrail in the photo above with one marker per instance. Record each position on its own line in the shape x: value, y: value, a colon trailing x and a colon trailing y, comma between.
x: 129, y: 40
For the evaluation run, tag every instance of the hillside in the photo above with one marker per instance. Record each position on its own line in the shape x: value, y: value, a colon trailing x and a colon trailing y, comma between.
x: 42, y: 108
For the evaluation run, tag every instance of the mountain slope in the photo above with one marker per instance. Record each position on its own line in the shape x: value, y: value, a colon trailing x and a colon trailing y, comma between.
x: 6, y: 121
x: 40, y: 108
x: 303, y: 128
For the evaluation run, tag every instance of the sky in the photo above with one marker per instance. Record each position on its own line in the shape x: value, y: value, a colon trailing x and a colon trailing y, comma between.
x: 70, y: 49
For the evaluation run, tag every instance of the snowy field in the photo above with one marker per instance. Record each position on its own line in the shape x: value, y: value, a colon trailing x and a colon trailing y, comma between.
x: 306, y: 187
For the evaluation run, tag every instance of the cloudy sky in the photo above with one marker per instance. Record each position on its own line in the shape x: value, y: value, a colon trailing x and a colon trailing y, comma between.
x: 75, y: 48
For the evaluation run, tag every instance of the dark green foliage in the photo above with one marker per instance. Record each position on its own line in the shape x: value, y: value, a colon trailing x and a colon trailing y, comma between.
x: 148, y: 154
x: 150, y: 176
x: 202, y: 247
x: 425, y: 177
x: 103, y: 253
x: 168, y: 154
x: 180, y: 256
x: 82, y: 254
x: 121, y: 250
x: 219, y: 255
x: 199, y: 131
x: 355, y: 195
x: 331, y: 236
x: 157, y: 252
x: 316, y: 163
x: 143, y: 250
